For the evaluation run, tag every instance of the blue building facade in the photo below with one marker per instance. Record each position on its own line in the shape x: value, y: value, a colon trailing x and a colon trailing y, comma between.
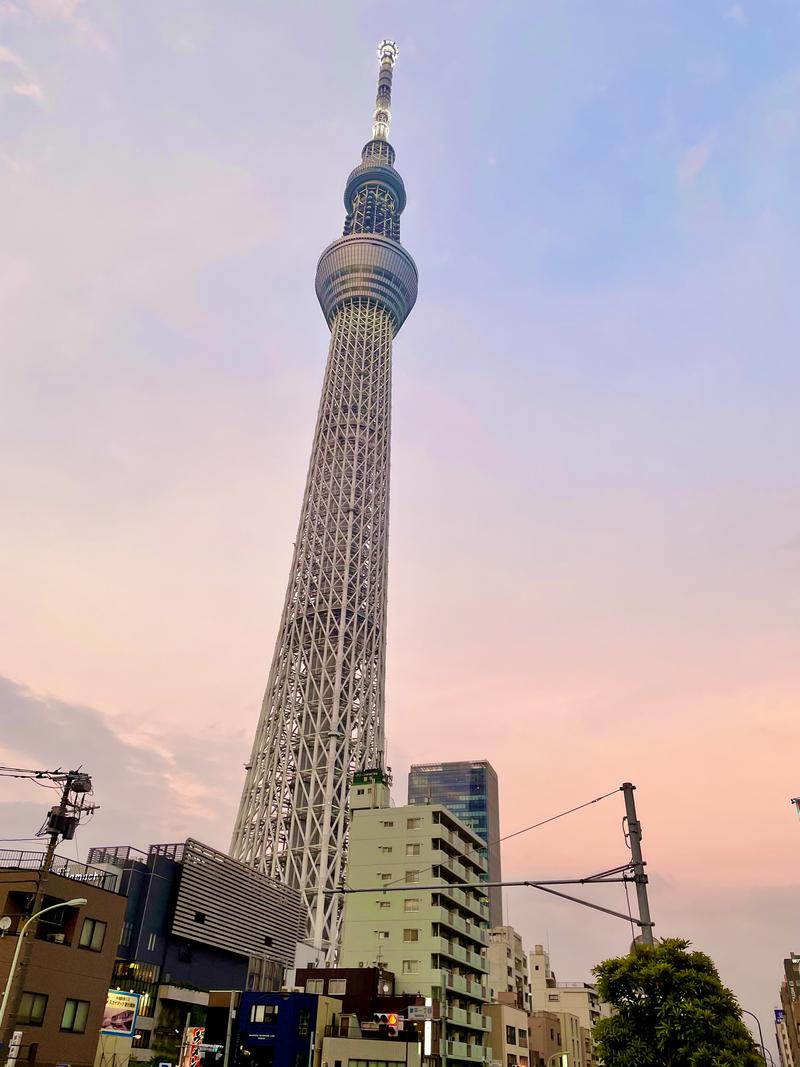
x: 469, y: 790
x: 277, y: 1030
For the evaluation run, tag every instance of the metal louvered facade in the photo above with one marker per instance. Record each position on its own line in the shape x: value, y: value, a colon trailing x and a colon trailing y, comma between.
x: 323, y: 710
x: 230, y: 906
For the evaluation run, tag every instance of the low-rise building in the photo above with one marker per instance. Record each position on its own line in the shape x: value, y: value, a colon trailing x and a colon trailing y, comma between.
x: 577, y: 1003
x: 544, y: 1038
x: 66, y: 981
x: 195, y: 920
x: 508, y: 1037
x: 790, y: 1006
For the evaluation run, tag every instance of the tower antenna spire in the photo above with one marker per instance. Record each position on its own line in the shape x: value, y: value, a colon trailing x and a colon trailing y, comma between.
x: 387, y: 54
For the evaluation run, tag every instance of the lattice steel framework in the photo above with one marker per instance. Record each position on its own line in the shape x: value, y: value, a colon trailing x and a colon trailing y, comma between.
x: 322, y: 716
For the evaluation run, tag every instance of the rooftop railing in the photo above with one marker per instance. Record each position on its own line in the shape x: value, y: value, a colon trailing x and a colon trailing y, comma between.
x: 20, y: 860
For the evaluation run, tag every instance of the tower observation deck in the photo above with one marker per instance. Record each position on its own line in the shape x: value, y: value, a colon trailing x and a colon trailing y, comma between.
x: 322, y: 716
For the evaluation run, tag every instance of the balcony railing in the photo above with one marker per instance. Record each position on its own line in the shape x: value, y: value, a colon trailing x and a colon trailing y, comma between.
x: 18, y: 860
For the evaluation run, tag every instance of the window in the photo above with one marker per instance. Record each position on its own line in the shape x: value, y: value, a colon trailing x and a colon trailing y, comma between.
x: 127, y: 930
x: 522, y: 1037
x: 552, y: 996
x: 384, y: 903
x: 411, y: 904
x: 315, y: 985
x: 409, y: 966
x: 199, y: 916
x: 303, y: 1022
x: 511, y: 1035
x: 92, y: 934
x: 385, y: 877
x: 268, y: 941
x: 151, y: 942
x: 411, y: 934
x: 382, y: 934
x: 337, y: 986
x: 413, y: 824
x: 384, y: 848
x: 412, y: 849
x: 74, y: 1017
x: 32, y: 1007
x: 388, y: 822
x: 511, y: 1060
x: 412, y: 876
x: 264, y: 1013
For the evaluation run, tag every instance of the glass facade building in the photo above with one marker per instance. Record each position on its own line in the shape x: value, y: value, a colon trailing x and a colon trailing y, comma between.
x: 469, y: 790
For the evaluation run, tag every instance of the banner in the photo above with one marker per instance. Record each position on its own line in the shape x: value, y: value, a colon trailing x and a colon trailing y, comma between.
x: 120, y: 1014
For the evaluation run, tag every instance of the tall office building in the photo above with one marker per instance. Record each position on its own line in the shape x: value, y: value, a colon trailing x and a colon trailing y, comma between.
x: 322, y: 716
x: 469, y: 790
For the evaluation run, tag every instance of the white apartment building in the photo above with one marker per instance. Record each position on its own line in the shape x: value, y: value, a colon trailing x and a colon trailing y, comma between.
x: 508, y: 968
x: 508, y: 1038
x: 433, y: 939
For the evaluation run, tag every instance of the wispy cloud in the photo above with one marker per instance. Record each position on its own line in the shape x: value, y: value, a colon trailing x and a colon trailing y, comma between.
x: 737, y: 14
x: 69, y: 12
x: 692, y: 163
x: 29, y: 89
x: 11, y: 58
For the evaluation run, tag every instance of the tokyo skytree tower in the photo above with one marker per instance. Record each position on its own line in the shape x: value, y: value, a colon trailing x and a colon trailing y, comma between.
x: 322, y: 716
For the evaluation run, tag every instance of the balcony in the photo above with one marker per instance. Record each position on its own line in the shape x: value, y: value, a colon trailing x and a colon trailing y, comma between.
x: 454, y: 921
x: 468, y: 1019
x: 457, y: 952
x: 459, y: 984
x: 460, y: 1050
x: 466, y: 900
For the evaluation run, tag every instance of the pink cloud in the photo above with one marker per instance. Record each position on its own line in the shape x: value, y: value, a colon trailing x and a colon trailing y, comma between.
x: 692, y: 163
x: 29, y: 89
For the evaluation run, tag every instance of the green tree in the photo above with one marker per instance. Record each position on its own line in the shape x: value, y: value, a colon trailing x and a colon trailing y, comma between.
x: 670, y: 1010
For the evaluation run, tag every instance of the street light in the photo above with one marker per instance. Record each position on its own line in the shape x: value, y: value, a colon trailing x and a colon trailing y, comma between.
x: 760, y: 1033
x: 78, y: 902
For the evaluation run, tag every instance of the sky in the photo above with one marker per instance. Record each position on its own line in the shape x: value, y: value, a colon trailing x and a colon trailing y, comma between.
x: 595, y: 532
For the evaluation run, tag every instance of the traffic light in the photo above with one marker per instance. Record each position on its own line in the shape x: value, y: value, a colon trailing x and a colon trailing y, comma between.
x: 388, y: 1023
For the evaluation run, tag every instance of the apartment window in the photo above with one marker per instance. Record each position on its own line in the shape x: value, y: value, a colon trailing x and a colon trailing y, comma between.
x: 151, y: 942
x: 511, y: 1035
x: 413, y: 824
x: 409, y: 966
x: 384, y: 903
x: 266, y: 1013
x: 411, y: 934
x: 511, y: 1060
x: 303, y: 1022
x: 522, y: 1037
x: 32, y: 1007
x: 383, y: 935
x: 411, y: 904
x: 75, y: 1015
x: 412, y: 876
x: 384, y: 848
x: 337, y: 986
x: 93, y: 933
x: 388, y: 822
x: 315, y: 985
x: 553, y: 997
x: 412, y: 849
x: 385, y: 877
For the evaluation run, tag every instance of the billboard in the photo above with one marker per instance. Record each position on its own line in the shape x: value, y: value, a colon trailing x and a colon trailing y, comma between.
x: 120, y: 1014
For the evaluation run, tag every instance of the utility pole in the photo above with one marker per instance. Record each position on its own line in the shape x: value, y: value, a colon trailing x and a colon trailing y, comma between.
x: 638, y: 863
x: 60, y: 823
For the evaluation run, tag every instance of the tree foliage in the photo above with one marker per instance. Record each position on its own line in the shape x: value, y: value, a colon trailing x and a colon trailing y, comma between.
x: 671, y: 1010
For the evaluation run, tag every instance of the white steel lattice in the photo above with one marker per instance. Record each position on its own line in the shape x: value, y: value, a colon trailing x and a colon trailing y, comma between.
x: 322, y: 715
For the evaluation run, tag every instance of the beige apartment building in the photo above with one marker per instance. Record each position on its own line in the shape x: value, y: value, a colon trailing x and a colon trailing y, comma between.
x: 508, y: 967
x: 508, y: 1038
x: 433, y: 939
x: 576, y: 1002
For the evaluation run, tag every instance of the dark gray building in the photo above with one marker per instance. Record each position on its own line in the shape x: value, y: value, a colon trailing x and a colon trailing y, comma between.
x: 469, y: 790
x: 196, y: 920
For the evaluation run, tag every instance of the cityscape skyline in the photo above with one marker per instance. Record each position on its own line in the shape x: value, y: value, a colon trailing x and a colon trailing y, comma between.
x: 619, y: 407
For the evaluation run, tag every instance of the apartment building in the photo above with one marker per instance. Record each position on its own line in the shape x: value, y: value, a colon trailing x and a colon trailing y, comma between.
x: 577, y: 1003
x: 508, y: 1037
x: 412, y: 919
x: 66, y: 982
x: 508, y: 967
